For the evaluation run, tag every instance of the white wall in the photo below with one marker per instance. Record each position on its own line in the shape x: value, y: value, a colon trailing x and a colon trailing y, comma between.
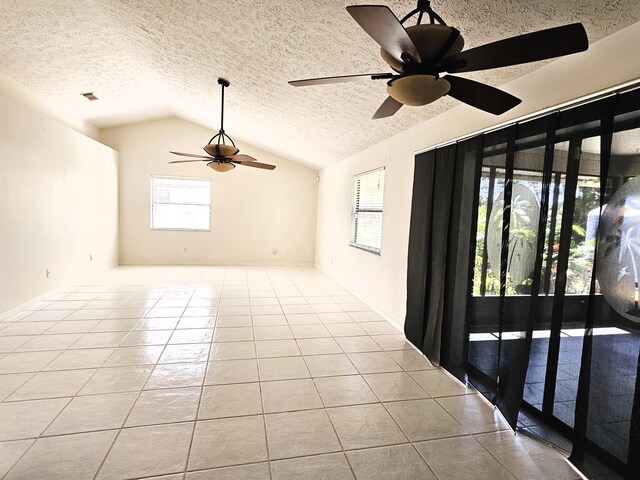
x: 43, y: 104
x: 253, y: 211
x: 58, y: 205
x: 381, y: 281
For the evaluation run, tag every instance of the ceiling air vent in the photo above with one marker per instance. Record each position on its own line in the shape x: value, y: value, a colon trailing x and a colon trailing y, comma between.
x: 89, y: 96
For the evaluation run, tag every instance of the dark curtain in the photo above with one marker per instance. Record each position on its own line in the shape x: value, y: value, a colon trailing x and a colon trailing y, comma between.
x: 460, y: 253
x: 440, y: 249
x: 514, y: 354
x: 504, y: 289
x: 419, y: 243
x: 607, y: 414
x: 433, y: 187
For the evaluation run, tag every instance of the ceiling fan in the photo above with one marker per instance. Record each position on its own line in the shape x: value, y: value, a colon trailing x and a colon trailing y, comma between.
x: 421, y: 53
x: 223, y: 157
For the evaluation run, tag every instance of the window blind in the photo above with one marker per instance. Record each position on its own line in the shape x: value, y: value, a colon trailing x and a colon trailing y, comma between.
x: 366, y: 217
x: 180, y: 203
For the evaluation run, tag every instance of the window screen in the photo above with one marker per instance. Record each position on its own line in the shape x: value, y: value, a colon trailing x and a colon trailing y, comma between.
x: 179, y: 203
x: 366, y: 216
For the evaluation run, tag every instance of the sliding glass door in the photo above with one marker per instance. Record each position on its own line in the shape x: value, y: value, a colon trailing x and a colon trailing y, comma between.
x: 524, y: 274
x: 556, y: 274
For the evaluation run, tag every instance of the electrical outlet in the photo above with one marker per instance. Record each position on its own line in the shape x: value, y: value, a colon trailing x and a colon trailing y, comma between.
x: 185, y: 249
x: 90, y: 257
x: 48, y: 273
x: 274, y: 251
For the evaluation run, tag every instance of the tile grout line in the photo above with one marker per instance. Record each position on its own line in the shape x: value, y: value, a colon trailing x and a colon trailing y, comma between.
x: 122, y: 427
x: 333, y: 427
x: 388, y: 413
x: 412, y: 442
x: 35, y: 439
x: 492, y: 455
x: 264, y: 414
x: 206, y: 369
x: 116, y: 348
x: 230, y: 416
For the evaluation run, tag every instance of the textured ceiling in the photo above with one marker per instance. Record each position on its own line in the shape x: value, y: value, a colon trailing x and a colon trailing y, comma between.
x: 145, y: 59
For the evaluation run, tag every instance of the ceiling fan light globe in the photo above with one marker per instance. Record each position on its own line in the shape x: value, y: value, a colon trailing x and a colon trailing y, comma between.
x: 220, y: 150
x: 428, y: 39
x: 418, y: 90
x: 221, y: 167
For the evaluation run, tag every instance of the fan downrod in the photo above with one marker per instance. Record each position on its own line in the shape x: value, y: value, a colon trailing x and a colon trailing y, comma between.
x: 221, y: 136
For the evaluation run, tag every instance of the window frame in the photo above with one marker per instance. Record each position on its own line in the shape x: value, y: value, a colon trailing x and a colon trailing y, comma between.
x: 355, y: 211
x: 177, y: 177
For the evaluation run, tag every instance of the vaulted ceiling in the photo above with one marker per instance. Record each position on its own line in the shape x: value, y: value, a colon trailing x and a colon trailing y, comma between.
x: 145, y: 59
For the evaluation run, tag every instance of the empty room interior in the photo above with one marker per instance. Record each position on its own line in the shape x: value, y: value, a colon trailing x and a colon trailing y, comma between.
x: 313, y: 240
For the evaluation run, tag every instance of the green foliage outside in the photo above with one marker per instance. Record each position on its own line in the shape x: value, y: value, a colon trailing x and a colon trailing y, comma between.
x: 581, y: 252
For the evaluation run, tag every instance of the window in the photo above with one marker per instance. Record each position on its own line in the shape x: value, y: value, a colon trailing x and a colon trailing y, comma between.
x: 525, y: 210
x: 179, y: 203
x: 366, y: 216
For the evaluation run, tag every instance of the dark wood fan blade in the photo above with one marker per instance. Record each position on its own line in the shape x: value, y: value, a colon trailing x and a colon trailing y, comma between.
x: 192, y: 155
x: 189, y: 161
x: 480, y: 95
x: 265, y: 166
x: 550, y: 43
x: 342, y: 79
x: 389, y: 107
x: 383, y: 26
x: 242, y: 158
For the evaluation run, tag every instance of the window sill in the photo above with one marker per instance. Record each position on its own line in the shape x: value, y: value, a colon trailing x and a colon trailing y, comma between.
x: 179, y: 230
x: 366, y: 249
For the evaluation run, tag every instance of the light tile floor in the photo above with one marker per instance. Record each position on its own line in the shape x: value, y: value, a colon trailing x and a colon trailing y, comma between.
x: 249, y: 373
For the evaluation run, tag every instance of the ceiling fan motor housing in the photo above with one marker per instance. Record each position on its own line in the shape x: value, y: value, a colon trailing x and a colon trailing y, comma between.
x: 220, y: 150
x: 421, y: 89
x: 429, y: 39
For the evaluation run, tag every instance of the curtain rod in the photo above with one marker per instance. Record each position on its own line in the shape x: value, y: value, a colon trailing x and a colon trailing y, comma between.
x: 609, y: 92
